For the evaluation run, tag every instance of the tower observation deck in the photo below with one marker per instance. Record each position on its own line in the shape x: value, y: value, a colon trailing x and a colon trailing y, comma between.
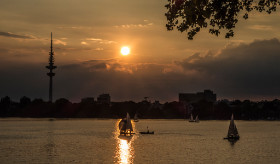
x: 51, y: 67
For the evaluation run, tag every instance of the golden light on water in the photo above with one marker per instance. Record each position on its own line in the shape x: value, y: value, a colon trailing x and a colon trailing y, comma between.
x: 124, y: 149
x: 125, y: 51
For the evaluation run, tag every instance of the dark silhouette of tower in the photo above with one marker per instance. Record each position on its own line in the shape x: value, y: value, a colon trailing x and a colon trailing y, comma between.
x: 51, y: 66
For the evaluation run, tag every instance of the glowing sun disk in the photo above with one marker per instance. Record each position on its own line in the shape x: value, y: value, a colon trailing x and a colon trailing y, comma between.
x: 125, y: 50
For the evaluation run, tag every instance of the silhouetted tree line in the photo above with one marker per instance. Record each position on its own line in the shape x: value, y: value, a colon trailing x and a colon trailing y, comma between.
x: 87, y: 108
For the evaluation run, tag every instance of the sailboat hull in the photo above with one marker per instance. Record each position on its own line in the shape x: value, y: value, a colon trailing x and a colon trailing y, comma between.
x: 233, y: 138
x: 126, y: 133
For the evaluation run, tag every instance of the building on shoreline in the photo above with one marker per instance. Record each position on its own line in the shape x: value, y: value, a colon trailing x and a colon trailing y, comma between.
x: 87, y: 100
x: 104, y: 99
x: 206, y: 95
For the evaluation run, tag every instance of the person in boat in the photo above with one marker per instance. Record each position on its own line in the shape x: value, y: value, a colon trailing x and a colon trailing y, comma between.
x: 147, y: 132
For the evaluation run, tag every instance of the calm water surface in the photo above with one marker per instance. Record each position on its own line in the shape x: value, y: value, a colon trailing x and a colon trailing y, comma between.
x: 174, y: 141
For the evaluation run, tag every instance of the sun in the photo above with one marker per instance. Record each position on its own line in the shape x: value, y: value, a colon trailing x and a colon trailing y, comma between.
x: 125, y: 51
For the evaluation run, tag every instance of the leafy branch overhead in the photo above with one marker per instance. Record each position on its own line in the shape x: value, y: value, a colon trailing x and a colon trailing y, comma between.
x: 192, y: 15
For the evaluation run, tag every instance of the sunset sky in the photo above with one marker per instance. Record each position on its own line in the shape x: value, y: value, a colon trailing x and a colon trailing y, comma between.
x: 88, y: 36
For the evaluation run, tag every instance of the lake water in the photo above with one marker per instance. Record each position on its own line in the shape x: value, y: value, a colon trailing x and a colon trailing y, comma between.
x: 174, y: 141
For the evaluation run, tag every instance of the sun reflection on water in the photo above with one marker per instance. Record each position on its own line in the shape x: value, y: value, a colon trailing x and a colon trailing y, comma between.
x: 124, y: 149
x: 124, y: 152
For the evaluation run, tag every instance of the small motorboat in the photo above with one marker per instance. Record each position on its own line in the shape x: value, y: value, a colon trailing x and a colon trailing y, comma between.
x: 147, y: 132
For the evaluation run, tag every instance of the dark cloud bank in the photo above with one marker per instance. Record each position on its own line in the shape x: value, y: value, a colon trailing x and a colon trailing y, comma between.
x: 8, y: 34
x: 246, y: 71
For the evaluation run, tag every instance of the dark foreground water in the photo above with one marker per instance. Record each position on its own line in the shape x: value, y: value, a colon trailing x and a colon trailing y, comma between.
x: 174, y: 141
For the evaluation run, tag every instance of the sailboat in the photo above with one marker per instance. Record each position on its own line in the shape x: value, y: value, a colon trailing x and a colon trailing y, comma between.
x: 135, y: 118
x: 232, y: 131
x: 191, y: 119
x: 125, y: 126
x: 196, y: 119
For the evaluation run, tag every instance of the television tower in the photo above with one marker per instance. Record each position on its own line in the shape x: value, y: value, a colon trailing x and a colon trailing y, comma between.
x: 51, y: 66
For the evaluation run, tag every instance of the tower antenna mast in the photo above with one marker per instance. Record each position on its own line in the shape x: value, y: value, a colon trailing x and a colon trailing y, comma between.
x: 51, y: 67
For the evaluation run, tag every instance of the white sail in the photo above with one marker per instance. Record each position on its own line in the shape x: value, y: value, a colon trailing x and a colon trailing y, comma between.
x: 191, y: 119
x: 125, y: 125
x: 135, y: 118
x: 121, y: 124
x: 128, y: 125
x: 232, y: 130
x: 196, y: 119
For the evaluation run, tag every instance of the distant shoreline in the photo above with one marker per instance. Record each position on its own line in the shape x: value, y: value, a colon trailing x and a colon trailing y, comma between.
x: 62, y: 119
x: 89, y: 109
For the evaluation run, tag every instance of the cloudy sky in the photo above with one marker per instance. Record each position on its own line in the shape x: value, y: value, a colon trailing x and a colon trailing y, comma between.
x: 88, y: 36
